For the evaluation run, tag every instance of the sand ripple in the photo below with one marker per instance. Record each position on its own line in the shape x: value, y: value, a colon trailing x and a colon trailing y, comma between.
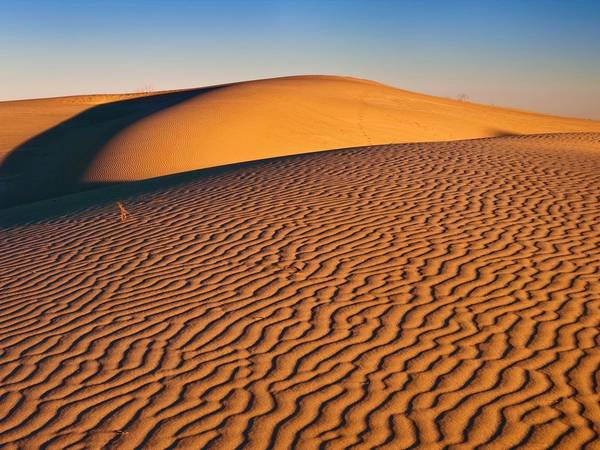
x: 399, y: 296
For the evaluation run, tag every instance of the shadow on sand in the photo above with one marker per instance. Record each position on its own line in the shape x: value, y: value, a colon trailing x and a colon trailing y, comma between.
x: 53, y: 162
x: 497, y: 132
x: 103, y: 194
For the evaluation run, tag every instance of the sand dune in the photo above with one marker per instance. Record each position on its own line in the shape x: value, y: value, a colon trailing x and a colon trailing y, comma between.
x: 400, y: 296
x: 56, y: 146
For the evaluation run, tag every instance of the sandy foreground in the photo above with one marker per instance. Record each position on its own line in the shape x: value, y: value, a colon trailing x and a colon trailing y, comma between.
x: 416, y: 295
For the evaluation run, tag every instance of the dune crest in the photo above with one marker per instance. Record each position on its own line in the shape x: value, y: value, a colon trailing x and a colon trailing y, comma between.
x: 98, y: 139
x: 279, y: 117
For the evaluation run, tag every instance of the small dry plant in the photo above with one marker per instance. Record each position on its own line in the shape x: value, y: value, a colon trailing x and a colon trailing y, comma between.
x: 124, y: 214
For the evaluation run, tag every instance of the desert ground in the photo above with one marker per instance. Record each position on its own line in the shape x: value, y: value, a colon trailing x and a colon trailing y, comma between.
x: 304, y: 262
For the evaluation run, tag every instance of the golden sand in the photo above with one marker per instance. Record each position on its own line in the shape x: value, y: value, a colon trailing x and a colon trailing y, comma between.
x: 99, y: 139
x: 421, y: 295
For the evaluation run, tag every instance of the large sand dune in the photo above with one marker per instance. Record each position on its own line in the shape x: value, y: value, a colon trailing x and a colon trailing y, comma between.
x: 399, y: 296
x: 50, y: 147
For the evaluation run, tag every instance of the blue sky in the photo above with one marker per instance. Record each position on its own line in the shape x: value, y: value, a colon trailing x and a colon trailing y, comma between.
x: 541, y: 55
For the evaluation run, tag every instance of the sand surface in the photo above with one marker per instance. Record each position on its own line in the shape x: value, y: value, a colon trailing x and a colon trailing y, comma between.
x: 55, y: 146
x: 399, y: 296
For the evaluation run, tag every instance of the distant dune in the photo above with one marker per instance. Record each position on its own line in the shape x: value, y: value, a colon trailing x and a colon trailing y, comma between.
x: 49, y: 147
x: 425, y: 295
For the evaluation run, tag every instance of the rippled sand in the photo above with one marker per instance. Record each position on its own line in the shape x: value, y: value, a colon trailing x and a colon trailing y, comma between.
x: 396, y: 296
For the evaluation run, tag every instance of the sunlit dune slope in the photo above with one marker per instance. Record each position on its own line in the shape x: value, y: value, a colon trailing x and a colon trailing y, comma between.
x: 278, y: 117
x: 115, y: 139
x: 422, y: 296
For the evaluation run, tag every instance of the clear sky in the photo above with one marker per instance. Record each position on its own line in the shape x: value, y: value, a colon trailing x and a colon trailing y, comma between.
x: 541, y: 55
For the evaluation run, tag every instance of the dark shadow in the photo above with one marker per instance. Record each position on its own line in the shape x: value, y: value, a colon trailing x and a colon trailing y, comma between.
x: 496, y: 132
x: 104, y: 194
x: 53, y: 162
x: 99, y: 195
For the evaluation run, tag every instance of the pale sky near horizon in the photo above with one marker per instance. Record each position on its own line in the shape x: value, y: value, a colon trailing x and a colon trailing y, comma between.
x: 539, y: 55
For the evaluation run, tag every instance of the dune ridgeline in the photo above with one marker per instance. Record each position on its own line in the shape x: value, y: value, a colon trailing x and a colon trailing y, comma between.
x: 50, y: 147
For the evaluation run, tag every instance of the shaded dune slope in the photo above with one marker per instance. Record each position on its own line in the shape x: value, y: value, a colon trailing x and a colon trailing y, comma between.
x: 104, y: 139
x: 54, y: 161
x: 399, y: 296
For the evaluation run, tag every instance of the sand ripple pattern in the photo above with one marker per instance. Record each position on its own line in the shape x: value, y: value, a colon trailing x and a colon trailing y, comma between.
x: 441, y: 295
